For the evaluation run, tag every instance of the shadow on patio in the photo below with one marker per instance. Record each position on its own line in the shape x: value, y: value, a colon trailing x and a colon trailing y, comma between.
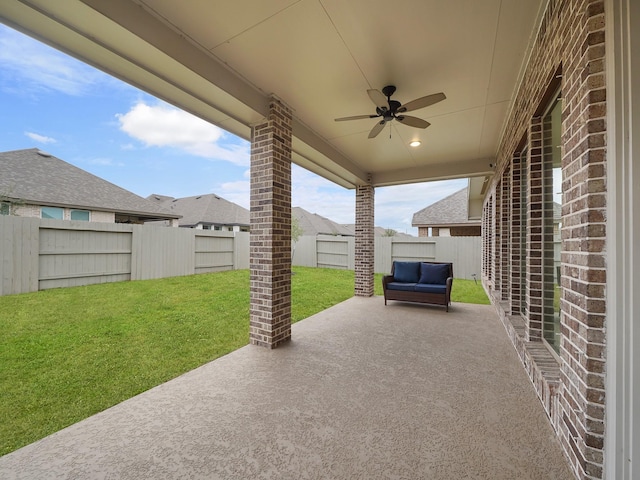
x: 362, y: 391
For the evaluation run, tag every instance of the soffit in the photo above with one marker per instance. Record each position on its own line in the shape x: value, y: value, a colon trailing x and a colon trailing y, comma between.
x: 222, y: 59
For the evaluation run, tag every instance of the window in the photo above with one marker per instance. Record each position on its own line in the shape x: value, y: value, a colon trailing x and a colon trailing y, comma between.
x: 56, y: 213
x: 5, y: 208
x: 82, y: 215
x: 552, y: 188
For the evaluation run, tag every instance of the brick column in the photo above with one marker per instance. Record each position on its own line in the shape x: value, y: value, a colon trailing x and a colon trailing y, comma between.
x: 584, y: 252
x: 270, y: 238
x: 365, y: 240
x: 535, y: 220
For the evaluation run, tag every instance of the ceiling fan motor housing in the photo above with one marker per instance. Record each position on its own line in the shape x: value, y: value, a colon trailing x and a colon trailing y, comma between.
x: 389, y: 90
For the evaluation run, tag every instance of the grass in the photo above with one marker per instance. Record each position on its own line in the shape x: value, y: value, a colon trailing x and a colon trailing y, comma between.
x: 66, y: 354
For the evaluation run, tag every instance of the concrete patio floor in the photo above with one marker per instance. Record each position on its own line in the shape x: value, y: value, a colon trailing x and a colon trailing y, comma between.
x: 363, y: 391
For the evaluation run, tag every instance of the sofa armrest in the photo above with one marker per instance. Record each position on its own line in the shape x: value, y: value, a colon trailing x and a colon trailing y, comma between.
x: 449, y: 285
x: 386, y: 280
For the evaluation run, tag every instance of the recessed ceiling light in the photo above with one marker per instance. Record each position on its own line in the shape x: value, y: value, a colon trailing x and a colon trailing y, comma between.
x: 415, y: 143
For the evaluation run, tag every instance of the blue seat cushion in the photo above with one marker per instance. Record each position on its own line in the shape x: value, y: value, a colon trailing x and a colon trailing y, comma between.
x: 434, y: 273
x: 407, y: 287
x: 407, y: 272
x: 430, y: 288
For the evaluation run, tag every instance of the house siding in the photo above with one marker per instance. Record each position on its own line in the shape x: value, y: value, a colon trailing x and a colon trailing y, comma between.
x: 569, y: 51
x: 33, y: 211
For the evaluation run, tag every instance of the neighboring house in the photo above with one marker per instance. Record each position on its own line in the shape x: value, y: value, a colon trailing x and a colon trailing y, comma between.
x: 314, y: 224
x: 448, y: 217
x: 34, y: 183
x: 379, y: 231
x: 205, y: 212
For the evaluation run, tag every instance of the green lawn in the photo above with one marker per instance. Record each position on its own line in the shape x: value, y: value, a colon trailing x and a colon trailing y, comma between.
x: 66, y: 354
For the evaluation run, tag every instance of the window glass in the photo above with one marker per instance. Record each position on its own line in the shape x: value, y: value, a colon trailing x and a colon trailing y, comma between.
x: 552, y: 131
x: 52, y: 212
x: 82, y: 215
x: 5, y: 208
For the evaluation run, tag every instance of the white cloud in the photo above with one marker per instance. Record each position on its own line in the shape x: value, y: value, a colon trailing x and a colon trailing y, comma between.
x: 38, y: 68
x: 318, y: 195
x: 40, y: 138
x: 165, y: 126
x: 394, y: 206
x: 104, y: 162
x: 236, y: 192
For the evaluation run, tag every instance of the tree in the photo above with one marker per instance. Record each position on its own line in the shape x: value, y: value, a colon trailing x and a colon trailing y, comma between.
x: 296, y: 229
x: 296, y: 233
x: 389, y: 232
x: 9, y: 204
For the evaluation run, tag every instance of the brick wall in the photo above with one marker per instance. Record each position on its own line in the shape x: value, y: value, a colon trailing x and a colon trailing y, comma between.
x: 270, y: 238
x: 469, y: 231
x: 569, y: 50
x: 365, y: 241
x: 33, y: 211
x: 465, y: 231
x: 534, y: 251
x: 505, y: 234
x: 516, y: 295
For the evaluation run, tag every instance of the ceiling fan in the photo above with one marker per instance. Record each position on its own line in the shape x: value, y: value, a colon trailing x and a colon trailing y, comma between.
x: 392, y: 109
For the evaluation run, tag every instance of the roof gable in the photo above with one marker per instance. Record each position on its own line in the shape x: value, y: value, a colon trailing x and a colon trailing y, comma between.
x: 314, y: 224
x: 36, y: 177
x: 208, y: 209
x: 452, y: 210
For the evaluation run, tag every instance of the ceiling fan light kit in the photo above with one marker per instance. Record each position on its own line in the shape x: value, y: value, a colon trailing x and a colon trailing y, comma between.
x: 393, y: 110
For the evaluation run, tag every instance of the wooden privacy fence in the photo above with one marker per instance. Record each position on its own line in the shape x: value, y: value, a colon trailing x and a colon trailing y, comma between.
x: 339, y: 252
x: 38, y: 254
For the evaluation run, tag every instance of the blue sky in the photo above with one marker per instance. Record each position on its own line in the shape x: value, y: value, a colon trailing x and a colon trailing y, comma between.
x: 51, y: 101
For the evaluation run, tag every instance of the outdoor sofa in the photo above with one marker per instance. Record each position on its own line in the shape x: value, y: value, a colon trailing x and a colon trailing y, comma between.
x: 422, y: 282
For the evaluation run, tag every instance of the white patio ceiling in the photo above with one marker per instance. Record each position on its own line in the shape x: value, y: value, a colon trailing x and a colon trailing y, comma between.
x: 222, y: 59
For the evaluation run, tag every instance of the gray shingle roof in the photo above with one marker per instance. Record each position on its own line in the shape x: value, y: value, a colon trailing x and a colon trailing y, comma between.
x: 35, y: 177
x: 206, y: 209
x: 452, y: 210
x: 314, y: 224
x: 377, y: 231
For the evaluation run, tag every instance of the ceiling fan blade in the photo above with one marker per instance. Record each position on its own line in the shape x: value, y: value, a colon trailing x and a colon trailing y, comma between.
x: 355, y: 117
x: 378, y: 98
x: 377, y: 129
x: 412, y: 121
x: 422, y: 102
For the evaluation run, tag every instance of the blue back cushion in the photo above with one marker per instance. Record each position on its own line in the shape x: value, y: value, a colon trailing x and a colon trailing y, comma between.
x: 434, y: 273
x: 407, y: 272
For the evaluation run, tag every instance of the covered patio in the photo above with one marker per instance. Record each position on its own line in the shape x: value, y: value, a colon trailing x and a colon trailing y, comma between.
x: 527, y: 93
x: 362, y: 391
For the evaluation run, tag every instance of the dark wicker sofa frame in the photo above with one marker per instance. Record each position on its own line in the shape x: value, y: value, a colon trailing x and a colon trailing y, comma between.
x: 419, y: 297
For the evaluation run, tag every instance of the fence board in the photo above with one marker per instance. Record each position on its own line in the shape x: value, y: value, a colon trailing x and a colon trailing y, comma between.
x: 18, y: 264
x: 40, y: 254
x: 81, y: 253
x: 241, y: 250
x: 163, y: 251
x: 333, y: 252
x: 214, y: 252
